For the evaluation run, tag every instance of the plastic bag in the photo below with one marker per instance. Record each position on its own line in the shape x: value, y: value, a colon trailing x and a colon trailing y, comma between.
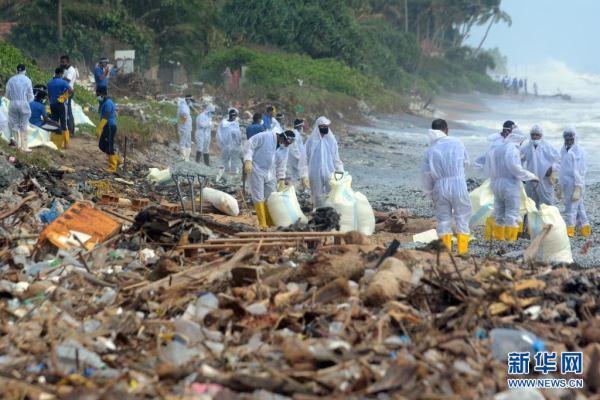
x: 158, y: 176
x: 356, y: 213
x: 221, y: 201
x: 556, y: 247
x: 284, y: 208
x: 482, y: 202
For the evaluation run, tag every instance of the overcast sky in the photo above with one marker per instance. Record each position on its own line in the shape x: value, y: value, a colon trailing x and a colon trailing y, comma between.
x: 562, y: 30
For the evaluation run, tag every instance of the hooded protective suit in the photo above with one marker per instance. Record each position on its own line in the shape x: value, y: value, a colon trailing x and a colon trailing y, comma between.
x: 203, y: 126
x: 184, y: 128
x: 296, y: 164
x: 538, y: 157
x: 268, y: 163
x: 323, y: 160
x: 503, y: 165
x: 229, y: 139
x: 20, y: 93
x: 573, y: 168
x: 443, y: 175
x: 494, y: 138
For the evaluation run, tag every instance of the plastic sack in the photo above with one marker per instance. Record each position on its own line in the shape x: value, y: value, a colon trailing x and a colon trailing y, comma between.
x: 356, y: 214
x: 221, y: 201
x: 556, y: 247
x: 158, y: 176
x: 482, y: 203
x: 284, y: 208
x: 37, y: 137
x: 79, y: 117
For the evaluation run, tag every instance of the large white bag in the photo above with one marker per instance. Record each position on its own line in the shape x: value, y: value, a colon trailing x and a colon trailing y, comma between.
x: 222, y: 201
x: 556, y: 247
x: 284, y: 208
x: 482, y: 202
x: 356, y: 213
x: 158, y: 176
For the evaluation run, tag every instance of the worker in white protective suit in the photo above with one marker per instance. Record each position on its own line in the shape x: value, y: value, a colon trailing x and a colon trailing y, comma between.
x: 203, y: 135
x: 184, y: 126
x: 229, y: 139
x: 542, y: 159
x: 495, y: 139
x: 443, y: 175
x: 4, y: 131
x: 20, y: 93
x: 265, y: 168
x: 572, y: 183
x: 503, y: 165
x: 297, y: 168
x: 323, y: 160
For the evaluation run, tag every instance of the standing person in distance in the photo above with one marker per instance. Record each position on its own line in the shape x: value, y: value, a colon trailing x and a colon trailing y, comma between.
x: 184, y: 126
x: 229, y: 139
x: 70, y: 75
x: 443, y: 175
x: 106, y: 131
x: 573, y: 167
x: 59, y: 92
x: 19, y: 91
x: 323, y: 159
x: 203, y: 135
x: 541, y: 158
x: 101, y: 74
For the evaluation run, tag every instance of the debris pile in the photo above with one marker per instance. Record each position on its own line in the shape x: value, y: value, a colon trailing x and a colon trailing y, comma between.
x: 138, y: 299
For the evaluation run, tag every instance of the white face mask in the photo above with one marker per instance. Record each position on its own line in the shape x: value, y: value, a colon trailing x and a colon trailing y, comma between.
x: 536, y: 141
x: 100, y: 98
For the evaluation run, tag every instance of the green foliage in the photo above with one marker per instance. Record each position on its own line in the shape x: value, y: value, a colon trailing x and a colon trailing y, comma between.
x: 277, y: 70
x: 10, y: 57
x: 91, y: 30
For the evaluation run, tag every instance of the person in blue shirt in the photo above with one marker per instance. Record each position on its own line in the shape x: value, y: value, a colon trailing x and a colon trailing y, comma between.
x: 256, y: 126
x: 37, y: 106
x: 268, y: 117
x: 59, y: 92
x: 106, y: 131
x: 101, y: 73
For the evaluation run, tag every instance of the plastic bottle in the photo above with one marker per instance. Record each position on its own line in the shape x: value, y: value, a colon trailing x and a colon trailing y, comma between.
x: 506, y: 341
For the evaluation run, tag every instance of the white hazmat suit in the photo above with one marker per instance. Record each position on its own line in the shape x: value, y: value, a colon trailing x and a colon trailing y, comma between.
x: 503, y: 164
x: 539, y: 157
x: 184, y: 128
x: 297, y: 167
x: 268, y: 163
x: 572, y: 175
x: 229, y: 139
x: 443, y: 175
x: 323, y: 160
x: 20, y: 93
x: 203, y: 127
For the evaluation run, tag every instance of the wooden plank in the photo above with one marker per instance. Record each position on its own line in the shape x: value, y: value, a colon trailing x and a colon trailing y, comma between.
x: 266, y: 239
x: 288, y: 234
x: 235, y: 245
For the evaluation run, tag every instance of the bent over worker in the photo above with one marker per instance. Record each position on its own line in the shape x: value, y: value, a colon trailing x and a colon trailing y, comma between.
x: 106, y: 131
x: 572, y: 182
x: 265, y: 168
x: 443, y: 175
x: 323, y: 160
x: 503, y: 163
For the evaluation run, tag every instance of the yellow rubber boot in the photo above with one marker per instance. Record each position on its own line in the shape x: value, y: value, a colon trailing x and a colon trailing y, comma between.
x: 498, y: 232
x: 571, y: 231
x: 511, y: 233
x: 112, y: 164
x: 586, y: 230
x: 447, y: 240
x: 268, y: 214
x: 489, y: 228
x: 462, y: 243
x: 58, y: 139
x: 66, y: 138
x: 261, y: 214
x: 521, y: 227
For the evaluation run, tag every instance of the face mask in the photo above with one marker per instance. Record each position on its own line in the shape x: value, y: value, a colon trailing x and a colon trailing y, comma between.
x: 324, y: 130
x: 100, y: 98
x: 210, y: 114
x: 536, y: 141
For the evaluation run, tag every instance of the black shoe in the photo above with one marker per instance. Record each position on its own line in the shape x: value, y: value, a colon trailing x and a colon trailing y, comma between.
x: 198, y: 157
x: 207, y: 159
